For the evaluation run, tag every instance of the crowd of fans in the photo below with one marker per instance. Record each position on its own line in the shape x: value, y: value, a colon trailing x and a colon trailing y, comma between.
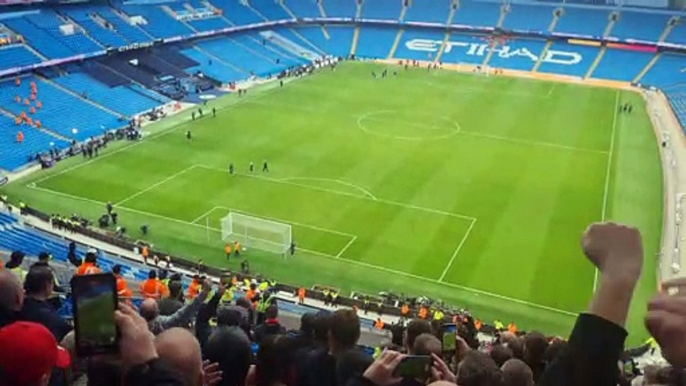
x: 208, y: 339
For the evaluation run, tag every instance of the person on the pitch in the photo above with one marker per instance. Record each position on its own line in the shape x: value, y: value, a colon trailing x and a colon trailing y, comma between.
x: 251, y: 167
x: 231, y: 168
x: 228, y: 251
x: 292, y: 248
x: 188, y: 135
x: 214, y: 112
x: 265, y: 166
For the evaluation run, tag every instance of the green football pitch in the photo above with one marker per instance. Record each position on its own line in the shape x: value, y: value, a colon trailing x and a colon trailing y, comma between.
x: 467, y: 188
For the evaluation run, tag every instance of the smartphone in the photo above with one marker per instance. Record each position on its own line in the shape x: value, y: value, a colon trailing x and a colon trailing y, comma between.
x: 95, y: 298
x: 449, y: 337
x: 414, y: 366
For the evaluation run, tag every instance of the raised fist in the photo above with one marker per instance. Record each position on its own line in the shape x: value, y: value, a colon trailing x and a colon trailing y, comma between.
x: 615, y: 249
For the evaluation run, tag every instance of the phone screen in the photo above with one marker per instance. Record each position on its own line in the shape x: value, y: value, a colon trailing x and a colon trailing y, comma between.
x: 95, y: 299
x: 414, y: 366
x: 449, y: 337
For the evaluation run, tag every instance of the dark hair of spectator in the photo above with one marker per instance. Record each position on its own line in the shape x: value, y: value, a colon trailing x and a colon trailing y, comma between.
x: 555, y: 349
x: 345, y: 328
x: 272, y: 312
x: 38, y: 280
x: 414, y: 329
x: 321, y: 327
x: 274, y: 363
x: 231, y: 349
x: 91, y: 258
x: 176, y: 290
x: 16, y: 259
x: 307, y: 322
x: 152, y: 274
x: 478, y: 369
x: 535, y: 345
x: 43, y: 256
x: 351, y: 364
x: 116, y: 269
x: 501, y: 354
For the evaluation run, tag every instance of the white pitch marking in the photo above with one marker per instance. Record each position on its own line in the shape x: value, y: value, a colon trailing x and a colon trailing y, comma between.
x: 366, y: 116
x: 353, y: 262
x: 153, y: 186
x: 338, y: 256
x: 457, y: 251
x: 364, y: 191
x: 533, y: 143
x: 607, y: 175
x: 202, y: 216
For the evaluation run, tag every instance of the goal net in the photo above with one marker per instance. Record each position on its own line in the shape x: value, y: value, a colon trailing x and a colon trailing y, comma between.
x: 258, y: 233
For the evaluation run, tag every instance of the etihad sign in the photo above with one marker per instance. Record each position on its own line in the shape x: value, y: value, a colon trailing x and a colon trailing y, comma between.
x: 506, y: 52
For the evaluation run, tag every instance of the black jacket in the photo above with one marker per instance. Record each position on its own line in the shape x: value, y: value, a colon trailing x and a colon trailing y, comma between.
x: 591, y: 356
x: 270, y: 327
x: 153, y: 373
x: 42, y: 312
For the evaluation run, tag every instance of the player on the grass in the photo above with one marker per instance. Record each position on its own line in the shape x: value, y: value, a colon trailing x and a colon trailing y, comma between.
x: 265, y: 166
x: 231, y: 168
x: 252, y: 167
x: 188, y: 135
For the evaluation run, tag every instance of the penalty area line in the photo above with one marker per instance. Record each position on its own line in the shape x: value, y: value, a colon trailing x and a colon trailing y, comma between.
x: 457, y: 251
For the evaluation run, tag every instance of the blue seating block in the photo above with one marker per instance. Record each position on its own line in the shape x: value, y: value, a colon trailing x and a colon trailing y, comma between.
x: 303, y: 8
x: 14, y: 155
x: 375, y: 42
x: 517, y: 54
x: 212, y: 67
x: 270, y: 9
x: 17, y: 56
x: 622, y: 65
x: 575, y: 60
x: 159, y: 23
x: 78, y: 42
x: 583, y: 21
x: 211, y: 24
x: 40, y: 40
x: 669, y: 70
x: 231, y: 52
x: 678, y: 34
x: 129, y: 32
x: 430, y: 11
x: 106, y: 37
x: 529, y: 17
x: 237, y: 13
x: 640, y: 26
x: 477, y: 13
x: 340, y: 8
x: 431, y: 40
x: 382, y: 9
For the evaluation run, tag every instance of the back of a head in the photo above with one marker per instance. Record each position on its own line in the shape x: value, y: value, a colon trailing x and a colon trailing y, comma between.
x: 179, y: 348
x: 344, y: 331
x: 272, y: 312
x: 116, y: 269
x: 44, y: 257
x: 478, y: 369
x: 275, y: 360
x: 11, y: 292
x: 501, y: 354
x: 535, y: 345
x: 149, y: 309
x: 231, y: 316
x: 16, y: 259
x: 414, y: 329
x: 321, y: 327
x: 175, y: 290
x: 350, y: 364
x: 517, y: 373
x: 163, y: 274
x: 91, y: 257
x: 231, y: 349
x: 427, y: 344
x: 307, y: 322
x: 152, y: 274
x: 39, y: 280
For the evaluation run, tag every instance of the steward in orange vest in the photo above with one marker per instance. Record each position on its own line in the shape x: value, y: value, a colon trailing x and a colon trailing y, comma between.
x: 195, y: 287
x: 89, y: 265
x: 152, y: 288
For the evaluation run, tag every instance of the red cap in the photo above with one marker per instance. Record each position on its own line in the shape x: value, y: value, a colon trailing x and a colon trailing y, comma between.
x: 28, y: 351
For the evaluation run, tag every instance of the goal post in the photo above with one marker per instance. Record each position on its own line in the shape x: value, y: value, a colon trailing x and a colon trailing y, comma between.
x: 258, y: 233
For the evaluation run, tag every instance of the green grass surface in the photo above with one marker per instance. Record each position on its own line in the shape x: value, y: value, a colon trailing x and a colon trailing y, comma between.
x: 467, y: 188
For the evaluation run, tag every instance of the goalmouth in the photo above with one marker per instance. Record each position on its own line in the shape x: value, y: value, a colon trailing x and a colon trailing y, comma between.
x: 258, y: 233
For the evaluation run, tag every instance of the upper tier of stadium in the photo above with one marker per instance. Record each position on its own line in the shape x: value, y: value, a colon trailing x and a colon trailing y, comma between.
x: 106, y: 64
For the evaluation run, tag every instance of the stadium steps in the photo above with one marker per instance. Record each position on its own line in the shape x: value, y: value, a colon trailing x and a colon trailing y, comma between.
x: 171, y: 14
x: 648, y: 67
x: 258, y: 13
x: 501, y: 21
x: 553, y: 23
x: 326, y: 32
x: 358, y: 12
x: 284, y: 53
x: 610, y: 25
x: 247, y: 48
x: 126, y: 19
x: 543, y: 54
x: 288, y: 10
x: 68, y: 91
x: 668, y: 30
x: 451, y: 15
x: 356, y: 38
x: 488, y: 57
x: 403, y: 12
x: 596, y: 62
x: 307, y: 41
x: 320, y: 5
x: 38, y: 54
x: 398, y: 38
x: 443, y: 46
x: 43, y: 129
x: 235, y: 67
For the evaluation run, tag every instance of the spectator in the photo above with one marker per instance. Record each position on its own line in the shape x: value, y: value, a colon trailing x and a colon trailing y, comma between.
x: 174, y: 301
x: 206, y: 312
x: 28, y: 354
x: 71, y: 255
x: 427, y: 344
x: 231, y: 349
x: 554, y: 349
x: 179, y: 349
x: 15, y: 265
x: 11, y: 297
x: 181, y: 318
x: 535, y: 345
x: 501, y: 354
x: 414, y: 329
x: 517, y: 373
x: 275, y: 362
x: 352, y: 364
x: 271, y: 325
x: 37, y: 308
x: 478, y: 369
x: 90, y: 264
x: 305, y: 336
x: 598, y: 337
x: 343, y: 333
x: 514, y: 343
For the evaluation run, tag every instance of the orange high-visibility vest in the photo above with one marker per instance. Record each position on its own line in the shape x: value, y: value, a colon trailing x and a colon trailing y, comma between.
x: 301, y: 292
x: 478, y: 324
x: 88, y: 269
x: 227, y: 249
x: 379, y: 324
x: 405, y: 310
x: 151, y: 289
x: 193, y: 290
x: 512, y: 328
x: 123, y: 288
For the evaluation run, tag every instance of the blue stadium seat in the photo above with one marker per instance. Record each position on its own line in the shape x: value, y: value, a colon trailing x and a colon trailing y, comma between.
x: 431, y: 40
x: 584, y: 21
x: 526, y: 17
x: 430, y: 11
x: 121, y: 98
x: 241, y: 56
x: 518, y: 54
x: 622, y: 64
x: 40, y: 40
x: 211, y: 24
x: 238, y: 13
x: 129, y: 32
x: 303, y: 8
x: 477, y: 13
x: 678, y: 33
x: 382, y: 9
x: 78, y: 42
x: 375, y: 42
x: 14, y: 155
x: 340, y: 8
x: 212, y: 67
x: 106, y: 37
x: 574, y: 60
x: 270, y: 9
x: 17, y: 56
x: 641, y: 26
x: 340, y: 40
x: 159, y: 23
x: 669, y: 70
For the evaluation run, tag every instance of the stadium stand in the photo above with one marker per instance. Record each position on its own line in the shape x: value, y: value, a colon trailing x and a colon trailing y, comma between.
x: 85, y: 18
x: 338, y: 43
x: 17, y: 56
x: 667, y: 71
x: 641, y: 26
x: 213, y: 67
x: 586, y: 21
x: 40, y: 40
x: 375, y: 42
x: 240, y: 56
x: 476, y: 13
x: 526, y: 17
x: 78, y: 42
x: 577, y: 64
x: 158, y: 23
x: 303, y: 8
x: 339, y: 8
x: 210, y: 24
x: 237, y: 13
x: 14, y: 155
x: 405, y: 51
x: 517, y: 54
x: 128, y: 31
x: 382, y: 9
x: 678, y: 34
x: 269, y: 10
x: 622, y: 65
x: 677, y: 97
x: 429, y: 11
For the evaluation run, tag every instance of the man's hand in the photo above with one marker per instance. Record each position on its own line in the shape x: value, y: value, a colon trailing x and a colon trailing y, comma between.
x: 212, y: 376
x: 440, y: 371
x: 381, y: 371
x: 136, y: 342
x: 616, y: 250
x: 666, y: 321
